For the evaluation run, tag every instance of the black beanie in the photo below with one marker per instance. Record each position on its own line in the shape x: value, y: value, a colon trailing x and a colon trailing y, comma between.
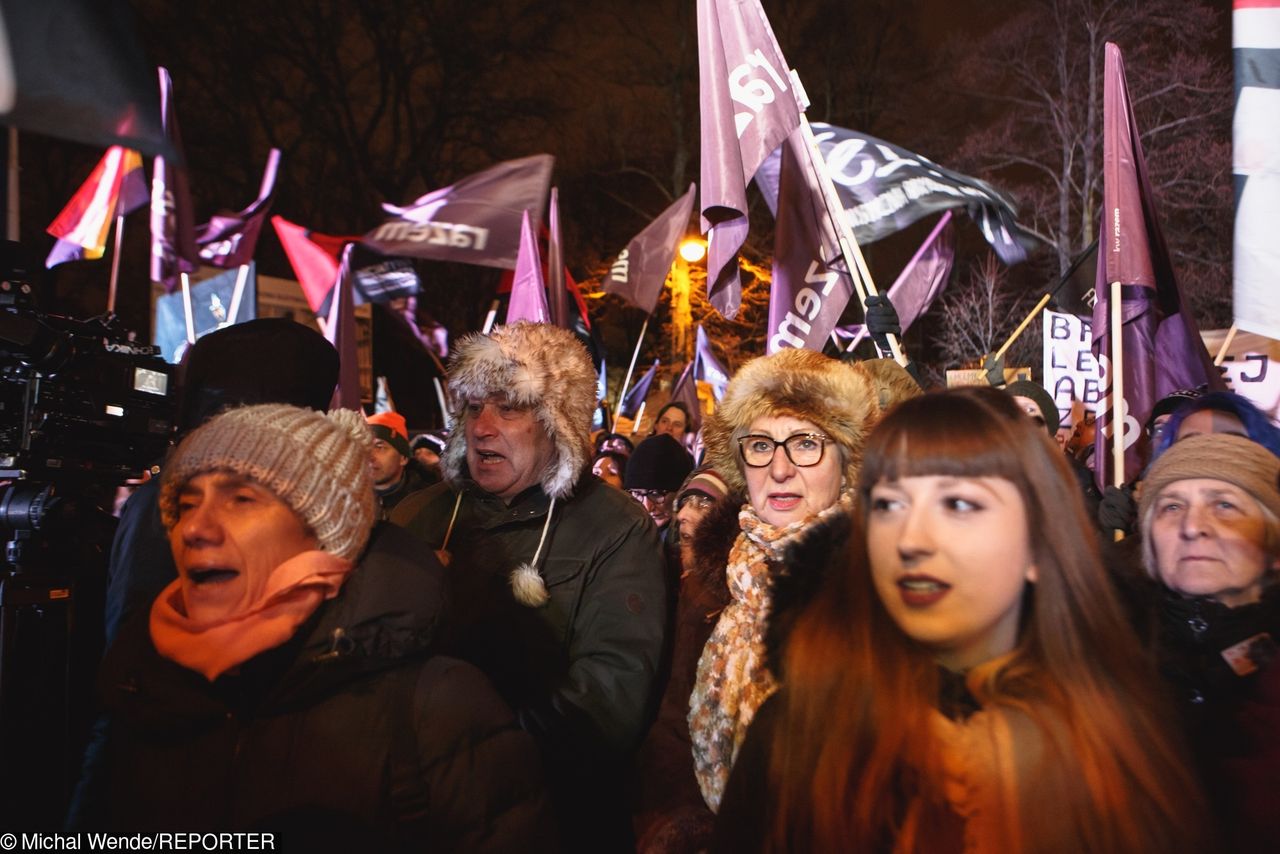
x: 659, y: 462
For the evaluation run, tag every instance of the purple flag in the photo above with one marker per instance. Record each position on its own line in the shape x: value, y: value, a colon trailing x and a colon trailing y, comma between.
x: 808, y: 294
x: 884, y: 188
x: 173, y: 236
x: 748, y: 110
x: 1163, y: 350
x: 639, y: 391
x: 229, y: 239
x: 475, y: 221
x: 707, y: 367
x: 558, y: 295
x: 641, y: 269
x: 74, y: 69
x: 922, y: 279
x: 528, y: 294
x: 686, y: 391
x: 341, y: 332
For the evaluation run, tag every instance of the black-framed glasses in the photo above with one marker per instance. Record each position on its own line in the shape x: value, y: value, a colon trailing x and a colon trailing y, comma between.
x: 803, y: 449
x: 649, y: 496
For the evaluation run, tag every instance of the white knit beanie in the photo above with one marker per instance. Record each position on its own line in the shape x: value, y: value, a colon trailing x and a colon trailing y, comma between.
x: 317, y: 464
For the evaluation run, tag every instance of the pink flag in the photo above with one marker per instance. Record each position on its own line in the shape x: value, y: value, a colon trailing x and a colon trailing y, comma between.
x: 638, y: 273
x: 528, y: 294
x: 748, y: 110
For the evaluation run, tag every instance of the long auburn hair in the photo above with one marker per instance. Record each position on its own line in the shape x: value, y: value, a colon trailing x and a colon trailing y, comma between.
x: 853, y: 753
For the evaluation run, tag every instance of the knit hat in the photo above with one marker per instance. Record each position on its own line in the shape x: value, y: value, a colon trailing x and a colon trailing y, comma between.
x: 706, y: 481
x: 1218, y: 456
x: 317, y: 464
x: 267, y: 360
x: 660, y: 462
x: 530, y: 364
x: 390, y: 428
x: 838, y: 398
x: 432, y: 440
x: 1036, y: 392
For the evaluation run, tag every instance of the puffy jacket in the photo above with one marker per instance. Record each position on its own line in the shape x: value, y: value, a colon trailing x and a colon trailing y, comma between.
x: 353, y: 735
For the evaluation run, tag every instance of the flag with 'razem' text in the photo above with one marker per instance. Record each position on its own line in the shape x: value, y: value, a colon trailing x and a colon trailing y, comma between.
x: 747, y: 109
x: 640, y: 270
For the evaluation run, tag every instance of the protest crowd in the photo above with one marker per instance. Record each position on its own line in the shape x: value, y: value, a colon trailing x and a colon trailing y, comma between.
x: 808, y: 600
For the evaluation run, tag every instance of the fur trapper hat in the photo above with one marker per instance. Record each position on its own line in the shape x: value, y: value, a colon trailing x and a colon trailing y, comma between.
x: 838, y: 397
x: 536, y: 365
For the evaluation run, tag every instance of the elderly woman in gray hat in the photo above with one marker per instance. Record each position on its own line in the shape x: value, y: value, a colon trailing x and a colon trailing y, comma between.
x: 1210, y: 521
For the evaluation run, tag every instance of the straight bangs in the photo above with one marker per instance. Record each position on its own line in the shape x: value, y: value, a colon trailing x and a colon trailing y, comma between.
x: 948, y: 434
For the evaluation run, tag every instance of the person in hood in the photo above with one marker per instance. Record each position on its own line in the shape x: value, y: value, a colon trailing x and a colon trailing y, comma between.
x: 558, y: 577
x: 285, y: 681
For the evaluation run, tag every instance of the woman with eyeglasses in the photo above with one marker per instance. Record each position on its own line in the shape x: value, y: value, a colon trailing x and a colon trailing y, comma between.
x: 966, y: 679
x: 789, y: 435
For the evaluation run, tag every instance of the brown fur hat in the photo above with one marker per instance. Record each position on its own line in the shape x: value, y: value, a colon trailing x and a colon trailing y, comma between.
x: 536, y: 365
x: 839, y: 398
x: 892, y: 382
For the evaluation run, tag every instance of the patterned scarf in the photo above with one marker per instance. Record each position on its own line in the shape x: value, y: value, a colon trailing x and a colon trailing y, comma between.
x: 733, y: 680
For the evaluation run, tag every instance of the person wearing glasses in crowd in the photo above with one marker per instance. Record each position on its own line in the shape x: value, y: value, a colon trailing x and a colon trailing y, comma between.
x: 654, y: 473
x: 789, y: 434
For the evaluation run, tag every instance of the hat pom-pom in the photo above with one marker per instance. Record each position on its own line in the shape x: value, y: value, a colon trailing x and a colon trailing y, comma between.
x: 528, y: 586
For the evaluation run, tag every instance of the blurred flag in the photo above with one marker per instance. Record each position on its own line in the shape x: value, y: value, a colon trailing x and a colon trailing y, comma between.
x: 686, y: 391
x: 528, y: 293
x: 74, y: 69
x: 747, y: 110
x: 1256, y: 164
x: 475, y: 221
x: 1162, y: 347
x: 558, y: 295
x: 1075, y: 293
x: 315, y: 259
x: 631, y: 403
x: 173, y: 236
x: 707, y: 367
x: 116, y: 187
x: 640, y: 270
x: 341, y: 332
x: 884, y: 189
x: 213, y: 306
x: 229, y: 239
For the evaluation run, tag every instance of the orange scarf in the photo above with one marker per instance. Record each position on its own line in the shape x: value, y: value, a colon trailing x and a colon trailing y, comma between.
x: 291, y: 594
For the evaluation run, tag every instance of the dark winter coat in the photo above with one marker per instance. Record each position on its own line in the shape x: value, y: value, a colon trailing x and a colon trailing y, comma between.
x: 1232, y: 717
x: 414, y: 478
x: 579, y: 671
x: 351, y: 736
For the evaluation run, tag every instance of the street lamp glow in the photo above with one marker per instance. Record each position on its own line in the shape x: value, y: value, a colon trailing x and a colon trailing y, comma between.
x: 693, y: 250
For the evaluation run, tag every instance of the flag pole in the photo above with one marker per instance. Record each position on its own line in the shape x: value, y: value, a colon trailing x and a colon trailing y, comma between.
x: 491, y: 316
x: 186, y: 307
x: 856, y: 264
x: 1026, y: 321
x: 1117, y: 393
x: 115, y: 265
x: 635, y: 425
x: 1226, y: 345
x: 444, y: 406
x: 242, y: 277
x: 622, y: 395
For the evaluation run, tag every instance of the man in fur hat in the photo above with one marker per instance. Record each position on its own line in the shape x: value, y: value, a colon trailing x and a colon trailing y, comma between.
x: 558, y: 578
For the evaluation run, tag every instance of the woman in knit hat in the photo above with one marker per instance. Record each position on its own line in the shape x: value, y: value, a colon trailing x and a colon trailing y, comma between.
x: 1210, y: 518
x: 966, y: 679
x: 284, y: 681
x: 789, y: 435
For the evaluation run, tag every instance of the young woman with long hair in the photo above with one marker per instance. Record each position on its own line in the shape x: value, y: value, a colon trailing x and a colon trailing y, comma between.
x: 966, y: 679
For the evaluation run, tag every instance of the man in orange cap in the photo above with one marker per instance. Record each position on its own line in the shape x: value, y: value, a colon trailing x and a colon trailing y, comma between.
x: 394, y: 478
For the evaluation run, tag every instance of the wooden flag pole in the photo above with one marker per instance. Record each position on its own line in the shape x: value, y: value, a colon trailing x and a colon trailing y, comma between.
x: 635, y: 425
x: 1226, y: 345
x: 849, y: 249
x: 491, y: 316
x: 242, y: 278
x: 444, y: 407
x: 1026, y: 321
x: 622, y: 395
x: 186, y: 307
x: 1117, y: 393
x: 115, y: 265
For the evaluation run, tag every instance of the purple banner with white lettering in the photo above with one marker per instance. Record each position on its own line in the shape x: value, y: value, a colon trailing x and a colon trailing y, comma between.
x: 229, y: 239
x: 475, y: 221
x: 885, y: 188
x: 640, y: 270
x: 808, y: 296
x: 748, y: 109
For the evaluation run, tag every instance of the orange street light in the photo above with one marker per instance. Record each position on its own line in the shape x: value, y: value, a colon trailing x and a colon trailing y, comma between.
x: 693, y: 250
